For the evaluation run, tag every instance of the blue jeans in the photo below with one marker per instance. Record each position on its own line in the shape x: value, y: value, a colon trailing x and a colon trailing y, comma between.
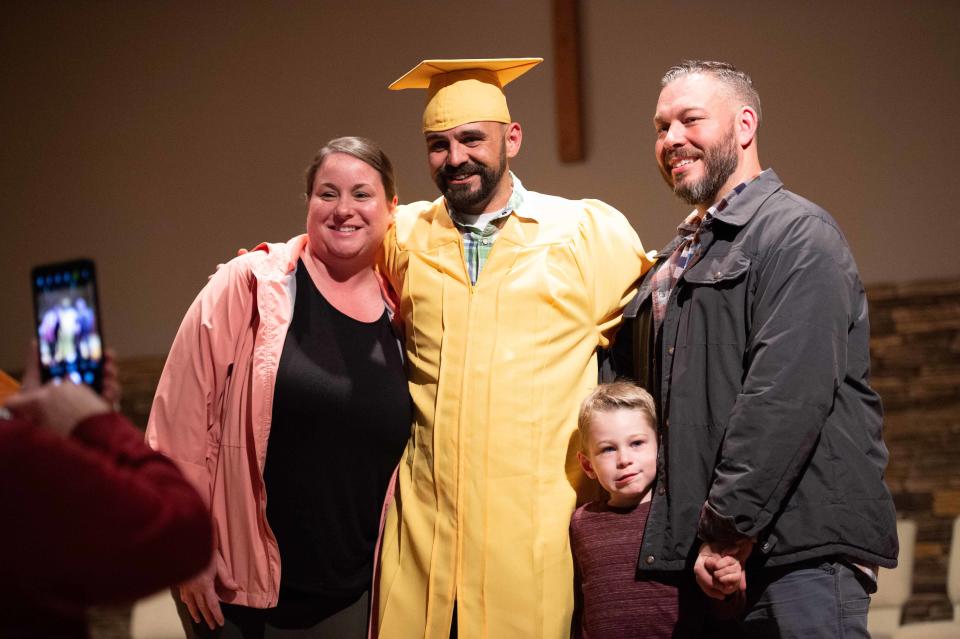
x: 825, y: 599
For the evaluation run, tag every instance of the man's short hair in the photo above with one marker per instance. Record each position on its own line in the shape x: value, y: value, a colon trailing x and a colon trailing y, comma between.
x: 619, y: 395
x: 738, y: 82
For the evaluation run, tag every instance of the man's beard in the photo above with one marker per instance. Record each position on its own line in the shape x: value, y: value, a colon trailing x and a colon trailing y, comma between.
x: 460, y: 197
x: 719, y: 163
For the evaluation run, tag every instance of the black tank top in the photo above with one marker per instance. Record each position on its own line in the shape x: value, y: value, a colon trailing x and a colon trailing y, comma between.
x: 341, y: 418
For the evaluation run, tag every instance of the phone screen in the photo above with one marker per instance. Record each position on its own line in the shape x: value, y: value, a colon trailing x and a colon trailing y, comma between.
x: 68, y: 327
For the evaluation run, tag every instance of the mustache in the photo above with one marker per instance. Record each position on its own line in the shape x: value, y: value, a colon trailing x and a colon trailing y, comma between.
x: 467, y: 168
x: 681, y: 154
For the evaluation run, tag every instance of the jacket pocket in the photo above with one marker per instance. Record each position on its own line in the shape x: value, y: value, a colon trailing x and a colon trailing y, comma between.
x: 718, y: 269
x: 217, y: 414
x: 714, y: 295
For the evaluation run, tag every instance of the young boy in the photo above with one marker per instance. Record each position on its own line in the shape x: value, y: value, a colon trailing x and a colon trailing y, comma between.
x: 618, y: 436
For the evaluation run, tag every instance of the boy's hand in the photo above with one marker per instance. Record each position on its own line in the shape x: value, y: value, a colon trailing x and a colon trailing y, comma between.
x: 719, y: 570
x: 727, y: 574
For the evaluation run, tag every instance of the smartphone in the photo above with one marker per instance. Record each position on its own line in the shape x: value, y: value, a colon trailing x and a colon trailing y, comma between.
x: 67, y: 312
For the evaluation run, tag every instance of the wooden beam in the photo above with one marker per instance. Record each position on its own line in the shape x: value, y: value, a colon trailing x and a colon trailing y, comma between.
x: 566, y: 61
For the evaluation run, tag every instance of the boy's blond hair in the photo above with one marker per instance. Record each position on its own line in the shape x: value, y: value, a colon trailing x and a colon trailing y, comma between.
x: 619, y: 395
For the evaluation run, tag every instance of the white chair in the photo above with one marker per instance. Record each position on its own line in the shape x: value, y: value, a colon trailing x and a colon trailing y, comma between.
x: 894, y: 586
x: 941, y: 629
x: 155, y: 617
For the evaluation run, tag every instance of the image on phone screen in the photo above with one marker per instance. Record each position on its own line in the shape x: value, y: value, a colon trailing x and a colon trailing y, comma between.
x: 68, y: 332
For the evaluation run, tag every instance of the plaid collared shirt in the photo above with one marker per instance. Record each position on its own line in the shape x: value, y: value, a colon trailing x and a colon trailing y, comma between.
x: 477, y: 241
x: 665, y: 279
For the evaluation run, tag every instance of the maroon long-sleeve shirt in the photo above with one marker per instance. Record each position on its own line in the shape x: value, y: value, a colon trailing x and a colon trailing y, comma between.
x: 92, y: 518
x: 611, y: 602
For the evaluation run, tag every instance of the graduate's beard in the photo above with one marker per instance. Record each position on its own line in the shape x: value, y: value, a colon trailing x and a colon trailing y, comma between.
x: 460, y: 197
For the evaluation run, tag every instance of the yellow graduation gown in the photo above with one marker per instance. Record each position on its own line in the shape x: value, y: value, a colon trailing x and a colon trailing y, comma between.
x: 489, y: 477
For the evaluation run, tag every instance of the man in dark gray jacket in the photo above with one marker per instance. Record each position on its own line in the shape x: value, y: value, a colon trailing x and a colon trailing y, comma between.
x: 752, y: 333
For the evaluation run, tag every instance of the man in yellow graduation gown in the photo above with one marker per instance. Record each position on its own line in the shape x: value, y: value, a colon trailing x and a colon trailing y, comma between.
x: 505, y: 295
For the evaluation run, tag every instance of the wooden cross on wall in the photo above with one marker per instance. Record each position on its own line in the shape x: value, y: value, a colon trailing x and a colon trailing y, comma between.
x: 566, y: 64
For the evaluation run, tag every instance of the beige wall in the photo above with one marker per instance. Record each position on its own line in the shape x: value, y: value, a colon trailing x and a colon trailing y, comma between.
x: 159, y: 137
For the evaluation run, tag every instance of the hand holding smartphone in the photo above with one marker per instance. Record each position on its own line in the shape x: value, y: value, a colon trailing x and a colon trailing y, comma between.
x: 67, y: 313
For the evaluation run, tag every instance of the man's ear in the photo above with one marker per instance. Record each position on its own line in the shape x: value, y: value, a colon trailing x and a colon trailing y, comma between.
x: 586, y: 465
x: 746, y: 125
x: 512, y: 139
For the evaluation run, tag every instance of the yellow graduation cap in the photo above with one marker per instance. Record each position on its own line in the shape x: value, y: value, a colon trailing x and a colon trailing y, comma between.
x: 461, y: 91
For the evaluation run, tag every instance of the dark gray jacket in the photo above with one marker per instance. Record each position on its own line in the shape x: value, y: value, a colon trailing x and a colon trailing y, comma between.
x: 761, y: 371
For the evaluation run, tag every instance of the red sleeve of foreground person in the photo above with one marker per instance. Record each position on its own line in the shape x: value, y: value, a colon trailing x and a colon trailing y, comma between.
x: 91, y: 517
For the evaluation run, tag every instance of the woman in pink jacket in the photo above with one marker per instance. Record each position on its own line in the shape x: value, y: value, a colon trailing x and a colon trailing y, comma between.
x: 284, y: 400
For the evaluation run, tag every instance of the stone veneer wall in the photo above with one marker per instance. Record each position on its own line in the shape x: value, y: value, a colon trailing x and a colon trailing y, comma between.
x: 915, y: 350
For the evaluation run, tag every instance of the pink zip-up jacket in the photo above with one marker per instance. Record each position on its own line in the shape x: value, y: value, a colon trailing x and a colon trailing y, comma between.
x: 214, y: 403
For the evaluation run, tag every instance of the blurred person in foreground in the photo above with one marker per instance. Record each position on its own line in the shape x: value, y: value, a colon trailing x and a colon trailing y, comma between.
x: 92, y: 515
x: 284, y: 399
